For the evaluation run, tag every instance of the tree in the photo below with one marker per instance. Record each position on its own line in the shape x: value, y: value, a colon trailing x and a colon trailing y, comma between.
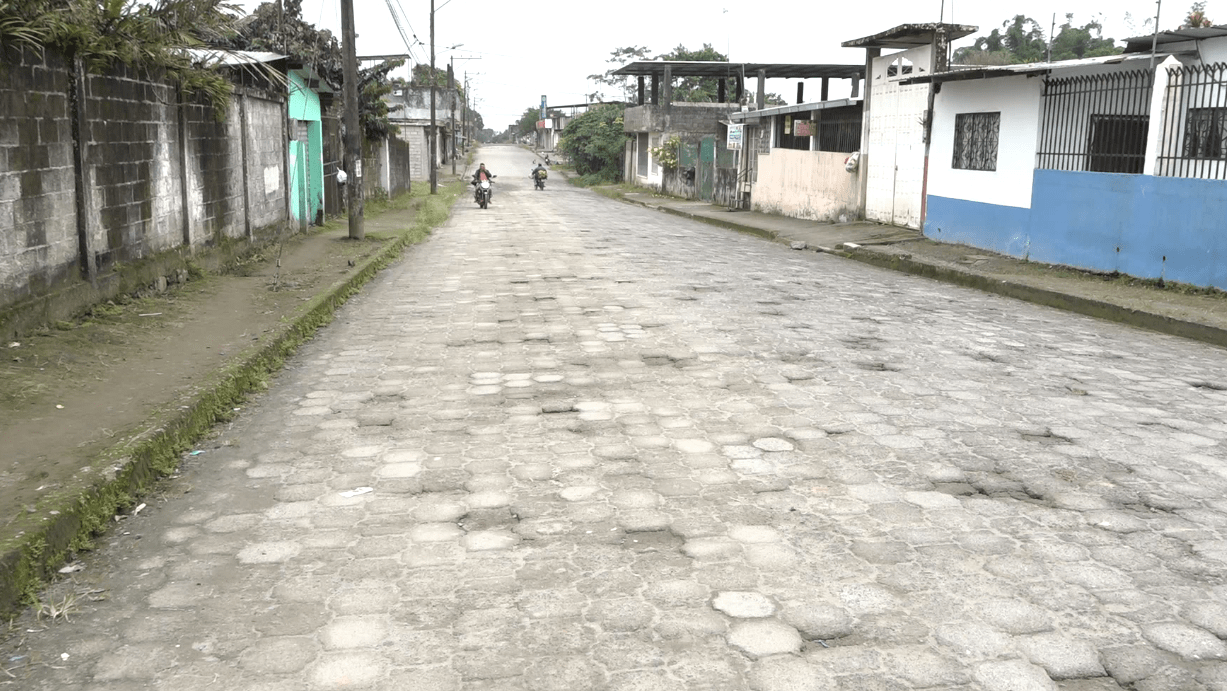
x: 372, y: 108
x: 696, y: 89
x: 594, y: 141
x: 690, y: 89
x: 148, y: 35
x: 1196, y: 19
x: 1022, y: 40
x: 622, y: 87
x: 270, y: 29
x: 1087, y: 41
x: 527, y: 124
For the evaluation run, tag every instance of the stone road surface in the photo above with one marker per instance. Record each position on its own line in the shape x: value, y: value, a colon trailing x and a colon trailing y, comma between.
x: 612, y: 449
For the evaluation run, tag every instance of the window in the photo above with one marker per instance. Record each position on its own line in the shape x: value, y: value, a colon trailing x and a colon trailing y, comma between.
x: 1205, y: 133
x: 975, y: 141
x: 1117, y: 143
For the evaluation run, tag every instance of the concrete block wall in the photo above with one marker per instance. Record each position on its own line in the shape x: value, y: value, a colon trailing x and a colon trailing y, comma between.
x: 214, y: 158
x: 399, y: 163
x: 140, y: 200
x: 38, y: 229
x: 132, y: 141
x: 266, y: 163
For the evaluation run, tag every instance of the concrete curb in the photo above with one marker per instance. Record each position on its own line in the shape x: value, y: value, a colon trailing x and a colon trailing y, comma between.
x: 77, y: 515
x: 1041, y: 296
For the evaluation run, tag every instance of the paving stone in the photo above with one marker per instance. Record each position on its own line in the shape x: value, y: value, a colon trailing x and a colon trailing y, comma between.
x: 743, y: 605
x: 1012, y: 675
x: 924, y: 668
x: 763, y: 637
x: 787, y: 673
x: 1189, y: 642
x: 1209, y: 615
x: 1129, y: 664
x: 1062, y: 657
x: 818, y: 620
x: 1015, y: 616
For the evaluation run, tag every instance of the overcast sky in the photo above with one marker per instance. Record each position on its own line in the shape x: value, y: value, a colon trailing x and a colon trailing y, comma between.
x: 525, y: 50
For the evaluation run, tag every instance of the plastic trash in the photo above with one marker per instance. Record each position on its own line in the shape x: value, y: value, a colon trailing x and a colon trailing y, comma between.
x: 357, y: 491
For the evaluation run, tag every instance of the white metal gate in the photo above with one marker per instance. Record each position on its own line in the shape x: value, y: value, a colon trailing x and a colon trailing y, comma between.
x: 895, y: 155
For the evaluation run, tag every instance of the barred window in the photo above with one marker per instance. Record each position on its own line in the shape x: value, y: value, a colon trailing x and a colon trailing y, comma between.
x: 1118, y: 143
x: 1205, y: 133
x: 975, y: 140
x: 843, y: 136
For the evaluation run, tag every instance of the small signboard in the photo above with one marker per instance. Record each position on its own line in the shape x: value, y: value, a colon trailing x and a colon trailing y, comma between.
x: 803, y: 128
x: 735, y: 137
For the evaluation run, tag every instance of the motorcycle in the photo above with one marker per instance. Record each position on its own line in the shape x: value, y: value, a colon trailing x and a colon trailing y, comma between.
x: 539, y: 176
x: 482, y: 193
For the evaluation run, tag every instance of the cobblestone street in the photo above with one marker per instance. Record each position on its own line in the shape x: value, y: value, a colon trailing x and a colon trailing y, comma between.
x: 572, y: 444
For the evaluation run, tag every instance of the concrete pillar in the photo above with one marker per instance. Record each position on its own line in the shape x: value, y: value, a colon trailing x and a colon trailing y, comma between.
x: 826, y: 87
x: 655, y: 90
x: 761, y: 98
x: 721, y: 89
x: 800, y: 92
x: 856, y: 86
x: 668, y: 86
x: 640, y: 89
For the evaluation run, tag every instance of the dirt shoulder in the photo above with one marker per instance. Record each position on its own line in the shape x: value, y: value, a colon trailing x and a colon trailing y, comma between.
x: 79, y: 400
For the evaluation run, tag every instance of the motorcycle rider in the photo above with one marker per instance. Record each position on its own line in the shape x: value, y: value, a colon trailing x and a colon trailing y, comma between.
x: 538, y: 172
x: 483, y: 173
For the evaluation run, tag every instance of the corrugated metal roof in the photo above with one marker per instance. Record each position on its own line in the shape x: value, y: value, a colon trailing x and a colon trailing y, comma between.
x: 1142, y: 44
x: 696, y: 68
x: 911, y: 36
x: 959, y: 73
x: 756, y: 115
x: 216, y: 56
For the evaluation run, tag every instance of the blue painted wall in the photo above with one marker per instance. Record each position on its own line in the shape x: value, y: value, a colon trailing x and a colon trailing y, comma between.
x: 1141, y: 225
x: 993, y: 227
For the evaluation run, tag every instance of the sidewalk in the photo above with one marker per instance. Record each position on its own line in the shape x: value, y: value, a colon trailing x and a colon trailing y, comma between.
x: 1173, y: 310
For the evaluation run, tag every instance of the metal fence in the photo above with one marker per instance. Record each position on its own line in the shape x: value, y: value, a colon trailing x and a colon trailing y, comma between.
x: 1096, y: 122
x: 1195, y: 123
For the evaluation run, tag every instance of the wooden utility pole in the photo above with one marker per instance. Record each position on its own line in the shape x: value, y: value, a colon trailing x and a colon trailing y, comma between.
x: 434, y: 146
x: 353, y: 140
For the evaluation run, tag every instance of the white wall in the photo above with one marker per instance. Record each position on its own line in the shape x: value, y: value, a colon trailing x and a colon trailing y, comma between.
x: 1214, y: 50
x: 806, y: 184
x: 1018, y: 101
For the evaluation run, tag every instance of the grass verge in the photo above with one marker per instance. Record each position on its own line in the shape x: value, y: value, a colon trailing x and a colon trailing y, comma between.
x: 68, y: 522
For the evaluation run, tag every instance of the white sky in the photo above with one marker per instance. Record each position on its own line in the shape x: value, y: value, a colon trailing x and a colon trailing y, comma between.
x: 529, y: 49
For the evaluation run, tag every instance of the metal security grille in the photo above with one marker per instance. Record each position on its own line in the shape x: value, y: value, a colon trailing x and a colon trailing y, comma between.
x: 1195, y: 123
x: 1096, y: 122
x: 842, y: 135
x: 975, y: 141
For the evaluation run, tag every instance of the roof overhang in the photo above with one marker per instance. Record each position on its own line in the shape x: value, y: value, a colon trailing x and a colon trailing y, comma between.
x: 966, y: 73
x: 1142, y: 44
x: 694, y: 68
x: 911, y: 36
x: 752, y: 116
x: 211, y: 57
